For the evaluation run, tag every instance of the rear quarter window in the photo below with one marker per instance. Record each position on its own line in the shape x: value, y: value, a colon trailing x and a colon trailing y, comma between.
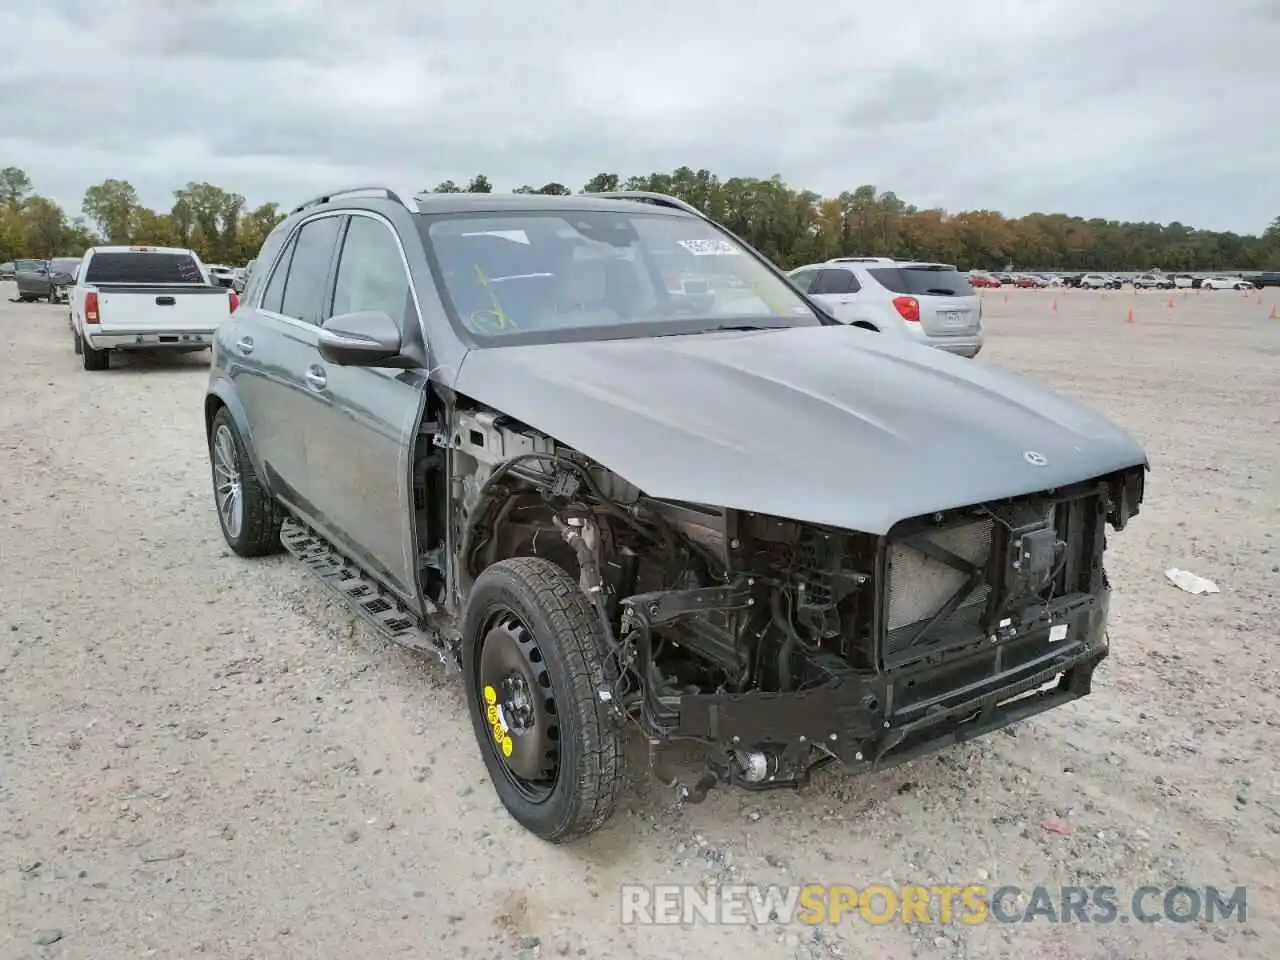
x: 171, y: 268
x: 923, y: 281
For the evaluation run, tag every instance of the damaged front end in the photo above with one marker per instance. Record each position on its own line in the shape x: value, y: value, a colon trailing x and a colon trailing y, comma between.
x: 783, y: 645
x: 832, y: 645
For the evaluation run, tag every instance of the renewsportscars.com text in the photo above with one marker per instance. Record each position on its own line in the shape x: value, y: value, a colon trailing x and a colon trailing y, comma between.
x: 878, y: 904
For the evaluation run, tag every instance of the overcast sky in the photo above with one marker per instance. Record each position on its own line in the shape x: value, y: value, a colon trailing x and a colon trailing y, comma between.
x: 1134, y: 109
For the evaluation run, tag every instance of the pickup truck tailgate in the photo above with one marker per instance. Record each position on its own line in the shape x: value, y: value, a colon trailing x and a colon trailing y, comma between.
x: 161, y: 309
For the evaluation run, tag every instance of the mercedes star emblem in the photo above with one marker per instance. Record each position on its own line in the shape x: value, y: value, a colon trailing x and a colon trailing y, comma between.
x: 1035, y: 459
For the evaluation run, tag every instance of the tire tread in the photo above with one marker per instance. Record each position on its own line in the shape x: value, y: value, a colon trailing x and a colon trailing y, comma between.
x: 576, y: 648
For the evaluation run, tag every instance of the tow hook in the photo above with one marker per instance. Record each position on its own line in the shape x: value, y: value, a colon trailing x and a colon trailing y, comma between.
x: 696, y: 794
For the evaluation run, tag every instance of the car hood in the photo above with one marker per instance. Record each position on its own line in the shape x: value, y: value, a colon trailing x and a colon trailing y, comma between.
x: 830, y: 425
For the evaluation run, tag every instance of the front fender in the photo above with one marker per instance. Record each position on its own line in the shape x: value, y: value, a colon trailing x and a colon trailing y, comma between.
x: 221, y: 395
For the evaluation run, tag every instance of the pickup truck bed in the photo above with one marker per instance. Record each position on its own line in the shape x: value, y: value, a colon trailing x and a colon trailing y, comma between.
x: 141, y: 316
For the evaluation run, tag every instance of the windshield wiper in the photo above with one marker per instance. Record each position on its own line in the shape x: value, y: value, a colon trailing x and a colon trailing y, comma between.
x: 745, y: 326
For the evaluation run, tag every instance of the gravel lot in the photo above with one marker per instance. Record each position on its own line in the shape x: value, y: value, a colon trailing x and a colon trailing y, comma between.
x: 203, y: 756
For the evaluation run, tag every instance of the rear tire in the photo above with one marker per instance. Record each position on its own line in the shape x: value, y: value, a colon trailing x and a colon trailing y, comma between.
x: 94, y: 360
x: 534, y: 663
x: 249, y: 516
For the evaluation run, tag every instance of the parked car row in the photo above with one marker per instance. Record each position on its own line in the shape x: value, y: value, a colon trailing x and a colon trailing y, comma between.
x: 1110, y: 281
x: 231, y: 277
x: 42, y: 279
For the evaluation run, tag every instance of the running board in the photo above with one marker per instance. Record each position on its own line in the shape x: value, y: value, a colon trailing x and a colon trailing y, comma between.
x: 378, y: 608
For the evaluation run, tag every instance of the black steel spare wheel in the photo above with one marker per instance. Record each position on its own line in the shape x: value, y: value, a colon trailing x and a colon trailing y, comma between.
x: 520, y: 707
x: 534, y: 666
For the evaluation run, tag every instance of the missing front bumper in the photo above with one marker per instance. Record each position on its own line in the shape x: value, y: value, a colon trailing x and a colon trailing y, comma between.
x: 878, y: 721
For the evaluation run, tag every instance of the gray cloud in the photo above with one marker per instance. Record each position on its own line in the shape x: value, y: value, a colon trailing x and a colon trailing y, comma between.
x: 1149, y: 110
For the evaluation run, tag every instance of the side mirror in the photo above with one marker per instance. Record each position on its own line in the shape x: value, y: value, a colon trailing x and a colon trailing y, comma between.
x: 366, y: 339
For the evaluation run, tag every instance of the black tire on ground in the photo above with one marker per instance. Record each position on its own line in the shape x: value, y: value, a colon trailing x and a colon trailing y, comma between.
x: 93, y: 359
x: 562, y: 639
x: 261, y: 517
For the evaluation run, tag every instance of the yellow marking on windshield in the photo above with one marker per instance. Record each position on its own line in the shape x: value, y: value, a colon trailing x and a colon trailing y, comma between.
x: 496, y: 319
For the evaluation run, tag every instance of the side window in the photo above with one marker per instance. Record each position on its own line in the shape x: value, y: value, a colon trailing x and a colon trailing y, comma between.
x: 371, y: 274
x: 803, y: 280
x: 304, y: 288
x: 836, y: 281
x: 274, y: 294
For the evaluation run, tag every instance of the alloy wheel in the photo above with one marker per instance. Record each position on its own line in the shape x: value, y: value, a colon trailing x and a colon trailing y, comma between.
x: 226, y: 479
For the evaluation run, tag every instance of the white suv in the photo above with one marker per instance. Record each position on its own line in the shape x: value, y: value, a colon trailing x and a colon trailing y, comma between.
x: 930, y: 303
x: 1099, y: 281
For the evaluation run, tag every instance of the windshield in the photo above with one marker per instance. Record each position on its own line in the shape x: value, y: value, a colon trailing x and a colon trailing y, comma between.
x: 559, y: 276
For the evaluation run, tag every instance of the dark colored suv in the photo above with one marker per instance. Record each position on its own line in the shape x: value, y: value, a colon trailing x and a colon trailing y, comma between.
x: 502, y: 429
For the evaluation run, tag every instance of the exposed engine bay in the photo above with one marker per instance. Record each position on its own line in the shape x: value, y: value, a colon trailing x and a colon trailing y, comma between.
x: 784, y: 645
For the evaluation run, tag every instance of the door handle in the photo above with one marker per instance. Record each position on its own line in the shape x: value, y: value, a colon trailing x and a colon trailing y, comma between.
x: 845, y: 300
x: 316, y: 378
x: 245, y: 344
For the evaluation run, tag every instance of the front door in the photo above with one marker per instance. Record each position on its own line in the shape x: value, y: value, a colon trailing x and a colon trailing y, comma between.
x: 363, y: 421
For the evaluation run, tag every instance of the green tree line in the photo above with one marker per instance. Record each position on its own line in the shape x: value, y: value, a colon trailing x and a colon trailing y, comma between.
x: 788, y: 225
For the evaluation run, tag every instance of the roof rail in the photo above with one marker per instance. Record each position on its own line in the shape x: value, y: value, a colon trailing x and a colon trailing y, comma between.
x: 862, y: 260
x: 648, y: 196
x: 410, y: 205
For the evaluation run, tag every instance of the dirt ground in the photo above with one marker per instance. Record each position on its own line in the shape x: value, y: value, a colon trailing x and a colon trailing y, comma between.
x: 202, y: 756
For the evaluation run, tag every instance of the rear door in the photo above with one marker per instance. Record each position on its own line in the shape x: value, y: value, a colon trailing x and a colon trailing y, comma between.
x: 361, y: 422
x: 949, y: 307
x: 838, y: 289
x: 272, y: 341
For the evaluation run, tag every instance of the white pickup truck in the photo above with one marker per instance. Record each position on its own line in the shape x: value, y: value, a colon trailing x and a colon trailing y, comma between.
x: 144, y: 298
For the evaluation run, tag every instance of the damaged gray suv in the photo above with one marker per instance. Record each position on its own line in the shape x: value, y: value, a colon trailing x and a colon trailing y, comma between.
x: 604, y: 458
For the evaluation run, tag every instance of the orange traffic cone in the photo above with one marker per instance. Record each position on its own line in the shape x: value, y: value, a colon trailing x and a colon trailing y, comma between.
x: 1128, y: 317
x: 1171, y: 301
x: 1055, y: 304
x: 1273, y: 312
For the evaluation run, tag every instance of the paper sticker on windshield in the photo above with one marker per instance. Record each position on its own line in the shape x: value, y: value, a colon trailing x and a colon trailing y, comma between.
x: 710, y: 248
